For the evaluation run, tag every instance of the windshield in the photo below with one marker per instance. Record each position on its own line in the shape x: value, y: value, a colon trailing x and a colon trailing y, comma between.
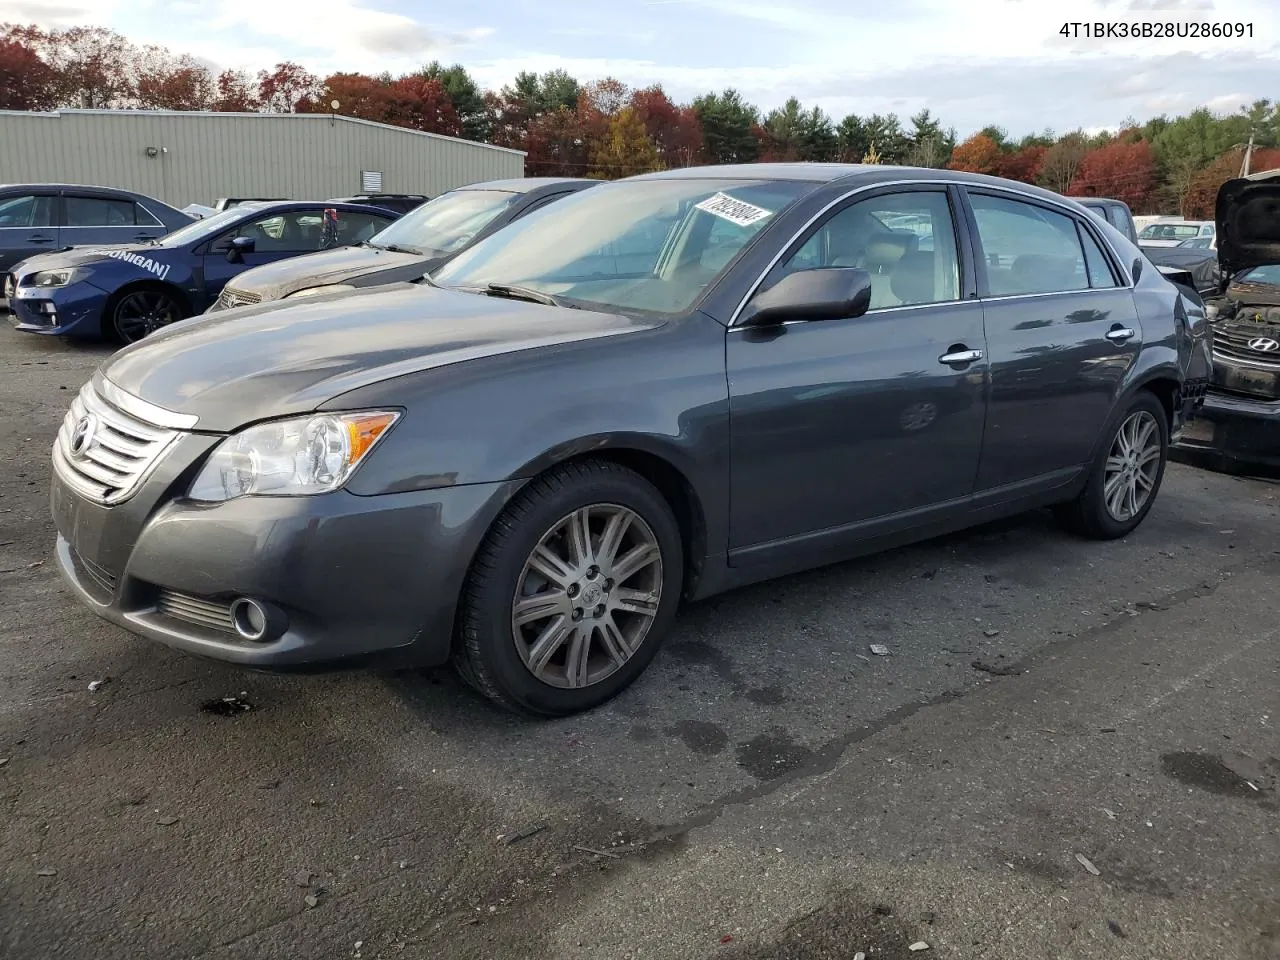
x: 1170, y: 231
x: 201, y: 228
x: 447, y: 223
x: 1270, y: 274
x: 651, y: 246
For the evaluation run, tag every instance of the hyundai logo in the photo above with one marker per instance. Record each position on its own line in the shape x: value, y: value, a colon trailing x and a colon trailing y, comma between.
x: 82, y: 435
x: 1264, y: 345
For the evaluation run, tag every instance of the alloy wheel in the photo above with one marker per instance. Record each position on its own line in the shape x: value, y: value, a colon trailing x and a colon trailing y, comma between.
x: 143, y: 312
x: 587, y: 596
x: 1132, y: 467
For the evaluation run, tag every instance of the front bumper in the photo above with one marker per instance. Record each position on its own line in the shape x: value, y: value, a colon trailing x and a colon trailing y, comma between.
x: 1234, y: 433
x: 74, y: 310
x: 351, y: 579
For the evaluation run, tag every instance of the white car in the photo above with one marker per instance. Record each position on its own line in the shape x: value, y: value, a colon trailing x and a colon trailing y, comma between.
x: 1170, y: 233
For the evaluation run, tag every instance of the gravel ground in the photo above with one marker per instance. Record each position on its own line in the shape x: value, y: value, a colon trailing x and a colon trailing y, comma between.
x: 1071, y: 751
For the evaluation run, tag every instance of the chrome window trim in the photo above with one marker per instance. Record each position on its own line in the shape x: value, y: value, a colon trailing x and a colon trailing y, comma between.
x: 1013, y: 192
x: 880, y: 311
x: 142, y: 409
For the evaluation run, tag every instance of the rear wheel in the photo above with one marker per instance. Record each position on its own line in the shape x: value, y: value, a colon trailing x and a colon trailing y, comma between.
x: 140, y: 311
x: 1126, y: 476
x: 571, y: 592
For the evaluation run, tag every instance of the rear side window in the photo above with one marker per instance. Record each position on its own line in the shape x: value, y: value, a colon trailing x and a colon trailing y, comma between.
x: 1027, y: 248
x: 145, y: 217
x: 99, y: 212
x: 1100, y: 275
x: 26, y: 211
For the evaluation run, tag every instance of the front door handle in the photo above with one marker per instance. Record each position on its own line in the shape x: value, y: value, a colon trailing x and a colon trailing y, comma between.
x: 38, y: 238
x: 959, y: 355
x: 1119, y: 334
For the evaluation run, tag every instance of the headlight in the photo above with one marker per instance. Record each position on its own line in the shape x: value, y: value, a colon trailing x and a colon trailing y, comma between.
x: 316, y: 291
x: 56, y: 278
x: 288, y: 458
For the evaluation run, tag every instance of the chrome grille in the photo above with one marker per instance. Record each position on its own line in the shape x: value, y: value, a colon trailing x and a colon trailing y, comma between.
x: 1231, y: 340
x: 120, y: 450
x: 230, y: 299
x: 213, y: 614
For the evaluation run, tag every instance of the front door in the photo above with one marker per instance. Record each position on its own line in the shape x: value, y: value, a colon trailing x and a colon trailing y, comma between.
x: 839, y: 423
x: 28, y: 226
x: 1062, y: 333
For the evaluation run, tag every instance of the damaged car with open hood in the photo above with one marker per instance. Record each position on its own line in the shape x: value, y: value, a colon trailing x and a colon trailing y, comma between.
x: 1239, y: 425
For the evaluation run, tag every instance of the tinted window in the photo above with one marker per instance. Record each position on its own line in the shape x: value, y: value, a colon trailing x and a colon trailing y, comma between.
x: 1100, y: 274
x: 358, y: 227
x: 1170, y: 231
x: 1269, y: 274
x: 906, y: 241
x: 27, y: 211
x: 1027, y: 248
x: 145, y: 217
x: 99, y: 212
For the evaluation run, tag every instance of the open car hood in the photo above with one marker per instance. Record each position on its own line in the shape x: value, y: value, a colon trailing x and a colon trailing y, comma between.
x: 1248, y: 222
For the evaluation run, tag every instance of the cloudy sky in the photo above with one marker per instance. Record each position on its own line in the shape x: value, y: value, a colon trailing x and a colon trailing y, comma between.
x: 972, y: 62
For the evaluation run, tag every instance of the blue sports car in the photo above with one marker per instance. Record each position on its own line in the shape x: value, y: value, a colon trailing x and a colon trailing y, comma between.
x: 124, y: 292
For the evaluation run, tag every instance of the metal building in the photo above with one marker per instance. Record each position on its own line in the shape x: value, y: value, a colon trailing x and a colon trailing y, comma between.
x: 197, y: 157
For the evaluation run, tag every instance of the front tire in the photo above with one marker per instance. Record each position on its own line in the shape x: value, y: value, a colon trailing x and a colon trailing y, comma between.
x: 1125, y: 476
x: 572, y: 591
x: 140, y: 311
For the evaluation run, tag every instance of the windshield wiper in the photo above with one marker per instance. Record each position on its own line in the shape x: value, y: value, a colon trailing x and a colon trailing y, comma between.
x: 396, y: 248
x: 515, y: 292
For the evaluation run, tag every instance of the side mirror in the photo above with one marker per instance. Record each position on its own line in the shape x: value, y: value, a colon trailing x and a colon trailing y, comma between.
x: 239, y: 247
x: 829, y: 293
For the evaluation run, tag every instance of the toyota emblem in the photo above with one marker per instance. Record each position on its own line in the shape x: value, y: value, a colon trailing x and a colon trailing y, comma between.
x: 1264, y: 345
x: 82, y: 435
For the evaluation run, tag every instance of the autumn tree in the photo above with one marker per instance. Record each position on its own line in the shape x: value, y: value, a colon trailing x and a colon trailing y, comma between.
x: 235, y: 92
x: 626, y: 150
x: 1202, y: 196
x: 289, y: 88
x: 26, y: 81
x: 978, y: 154
x: 91, y: 66
x: 674, y: 130
x: 168, y: 82
x: 1024, y: 164
x: 1062, y: 161
x: 422, y: 104
x: 1123, y: 170
x: 358, y: 95
x: 556, y: 145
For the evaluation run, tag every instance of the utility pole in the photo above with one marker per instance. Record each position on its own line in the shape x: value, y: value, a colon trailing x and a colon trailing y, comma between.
x: 1248, y: 157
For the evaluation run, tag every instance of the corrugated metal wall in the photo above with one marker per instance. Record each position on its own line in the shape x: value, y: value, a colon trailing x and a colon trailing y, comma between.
x: 203, y: 156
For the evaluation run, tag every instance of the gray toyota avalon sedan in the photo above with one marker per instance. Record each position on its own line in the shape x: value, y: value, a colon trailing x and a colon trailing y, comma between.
x: 657, y: 389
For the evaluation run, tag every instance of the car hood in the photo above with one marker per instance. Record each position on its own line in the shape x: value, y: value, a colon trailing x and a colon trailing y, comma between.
x: 275, y: 280
x: 269, y: 360
x: 1247, y: 215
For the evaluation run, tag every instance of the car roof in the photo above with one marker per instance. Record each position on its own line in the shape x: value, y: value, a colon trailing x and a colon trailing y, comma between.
x: 86, y: 187
x: 294, y: 204
x: 847, y: 174
x: 524, y: 184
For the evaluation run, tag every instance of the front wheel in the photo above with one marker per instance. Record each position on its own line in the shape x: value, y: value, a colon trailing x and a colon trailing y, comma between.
x: 142, y: 311
x: 1126, y: 476
x: 572, y: 591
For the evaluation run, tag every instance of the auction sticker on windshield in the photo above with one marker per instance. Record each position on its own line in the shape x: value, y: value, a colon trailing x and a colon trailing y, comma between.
x: 735, y: 211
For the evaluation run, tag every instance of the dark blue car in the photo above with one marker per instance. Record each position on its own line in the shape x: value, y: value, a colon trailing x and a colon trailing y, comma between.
x: 124, y: 292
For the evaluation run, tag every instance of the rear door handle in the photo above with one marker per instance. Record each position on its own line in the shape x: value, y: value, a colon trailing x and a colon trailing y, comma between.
x: 39, y: 238
x: 1119, y: 334
x: 959, y: 355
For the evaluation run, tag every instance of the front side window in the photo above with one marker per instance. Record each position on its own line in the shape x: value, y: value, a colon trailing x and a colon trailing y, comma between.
x: 26, y: 211
x: 293, y: 231
x: 1027, y: 248
x: 905, y: 241
x: 99, y: 212
x: 650, y: 246
x: 447, y: 223
x: 201, y: 229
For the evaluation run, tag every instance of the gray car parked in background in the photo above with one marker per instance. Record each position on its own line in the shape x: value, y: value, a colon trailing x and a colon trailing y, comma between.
x: 523, y: 463
x: 40, y: 217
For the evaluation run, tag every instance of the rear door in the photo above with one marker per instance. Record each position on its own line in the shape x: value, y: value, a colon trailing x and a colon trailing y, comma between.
x: 28, y: 226
x: 89, y: 220
x: 1062, y: 330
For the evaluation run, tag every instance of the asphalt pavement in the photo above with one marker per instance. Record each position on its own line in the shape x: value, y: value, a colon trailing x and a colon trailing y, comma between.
x: 1071, y: 750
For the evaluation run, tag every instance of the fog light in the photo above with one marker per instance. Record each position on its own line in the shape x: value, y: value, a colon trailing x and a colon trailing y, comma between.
x: 249, y: 618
